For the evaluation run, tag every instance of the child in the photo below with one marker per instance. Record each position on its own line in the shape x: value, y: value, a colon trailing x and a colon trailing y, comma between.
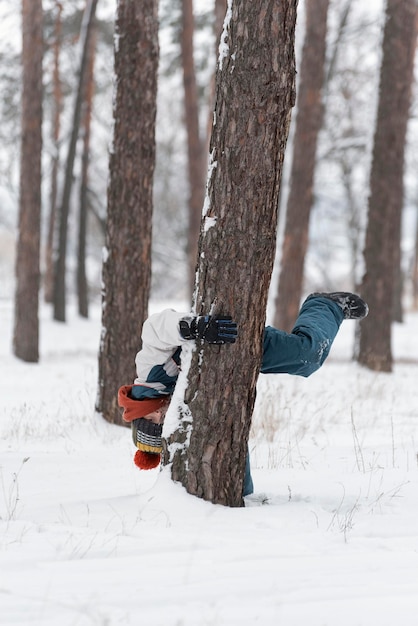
x: 300, y: 352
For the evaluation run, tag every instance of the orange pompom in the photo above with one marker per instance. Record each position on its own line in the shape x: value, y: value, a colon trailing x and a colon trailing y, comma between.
x: 146, y: 460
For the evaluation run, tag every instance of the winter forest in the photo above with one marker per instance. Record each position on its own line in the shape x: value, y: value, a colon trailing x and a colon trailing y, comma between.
x: 107, y: 159
x: 326, y: 188
x: 213, y: 156
x: 81, y: 182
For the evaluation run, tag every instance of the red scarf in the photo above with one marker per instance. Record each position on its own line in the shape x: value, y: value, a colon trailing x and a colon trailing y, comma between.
x: 133, y: 409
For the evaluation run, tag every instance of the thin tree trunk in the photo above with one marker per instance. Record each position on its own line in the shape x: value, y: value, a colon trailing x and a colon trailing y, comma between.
x: 64, y: 209
x: 26, y: 319
x: 195, y: 154
x: 57, y: 103
x: 386, y: 182
x: 308, y: 124
x: 353, y: 221
x: 127, y: 262
x: 415, y: 269
x: 82, y: 286
x: 255, y: 93
x: 342, y: 25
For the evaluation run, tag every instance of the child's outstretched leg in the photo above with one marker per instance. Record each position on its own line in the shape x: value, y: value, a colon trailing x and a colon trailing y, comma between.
x: 304, y: 350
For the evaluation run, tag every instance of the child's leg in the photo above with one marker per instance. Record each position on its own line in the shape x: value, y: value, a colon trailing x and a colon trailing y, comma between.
x: 304, y: 350
x: 248, y: 481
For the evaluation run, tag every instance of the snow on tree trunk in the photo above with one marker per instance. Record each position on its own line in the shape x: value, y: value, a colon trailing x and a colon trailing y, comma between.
x: 254, y: 97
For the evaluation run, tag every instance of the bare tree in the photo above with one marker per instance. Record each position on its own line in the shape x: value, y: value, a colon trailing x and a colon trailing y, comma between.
x: 82, y: 286
x: 254, y: 96
x: 26, y: 320
x: 60, y: 296
x: 56, y: 124
x: 308, y: 125
x: 127, y: 262
x: 386, y: 182
x: 414, y: 272
x: 195, y: 154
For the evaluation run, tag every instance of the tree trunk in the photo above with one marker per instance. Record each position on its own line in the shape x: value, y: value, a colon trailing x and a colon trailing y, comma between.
x: 82, y: 286
x: 398, y: 282
x: 57, y: 104
x: 26, y: 320
x: 415, y: 268
x: 308, y: 125
x: 353, y: 220
x: 255, y: 93
x: 220, y: 12
x: 195, y: 154
x: 343, y: 14
x: 127, y: 262
x: 386, y: 182
x: 64, y: 209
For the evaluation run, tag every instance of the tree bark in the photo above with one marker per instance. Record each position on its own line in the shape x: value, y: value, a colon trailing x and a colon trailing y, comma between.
x: 60, y: 296
x: 308, y: 124
x: 127, y: 262
x: 195, y: 155
x: 254, y: 96
x: 220, y: 12
x: 82, y: 286
x: 56, y: 123
x: 386, y: 182
x: 26, y: 319
x: 414, y: 273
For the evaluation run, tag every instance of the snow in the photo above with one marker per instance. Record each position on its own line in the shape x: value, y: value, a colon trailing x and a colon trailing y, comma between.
x: 213, y: 164
x: 223, y: 44
x: 329, y: 539
x: 209, y: 223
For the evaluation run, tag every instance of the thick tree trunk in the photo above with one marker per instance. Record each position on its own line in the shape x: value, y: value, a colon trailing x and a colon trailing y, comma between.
x: 255, y: 93
x: 127, y: 262
x: 26, y: 321
x: 398, y: 283
x: 386, y: 182
x: 60, y: 295
x: 308, y: 125
x: 195, y: 155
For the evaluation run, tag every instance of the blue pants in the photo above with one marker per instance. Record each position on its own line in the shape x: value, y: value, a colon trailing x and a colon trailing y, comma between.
x: 248, y: 481
x: 302, y: 351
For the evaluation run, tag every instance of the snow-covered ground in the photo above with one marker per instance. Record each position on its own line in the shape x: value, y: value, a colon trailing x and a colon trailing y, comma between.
x: 330, y: 539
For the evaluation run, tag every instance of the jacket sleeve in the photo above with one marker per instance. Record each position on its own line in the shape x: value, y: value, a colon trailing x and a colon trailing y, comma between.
x: 160, y: 339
